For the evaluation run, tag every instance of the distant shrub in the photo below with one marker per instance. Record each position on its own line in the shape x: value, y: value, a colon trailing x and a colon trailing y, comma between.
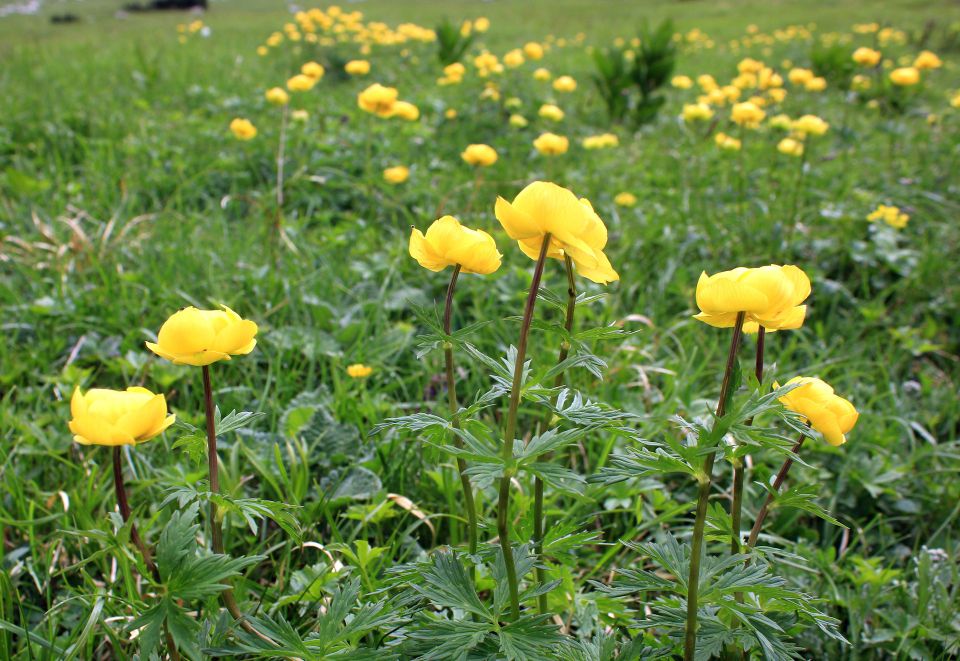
x: 451, y: 42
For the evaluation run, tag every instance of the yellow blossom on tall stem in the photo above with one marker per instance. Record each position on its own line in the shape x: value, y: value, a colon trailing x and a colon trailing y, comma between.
x: 551, y: 144
x: 378, y: 100
x: 243, y: 129
x: 447, y: 243
x: 200, y: 338
x: 565, y: 84
x: 277, y: 96
x: 905, y: 76
x: 396, y: 174
x: 769, y: 296
x: 359, y: 371
x: 301, y: 83
x: 479, y: 155
x: 867, y: 57
x: 826, y: 412
x: 357, y: 67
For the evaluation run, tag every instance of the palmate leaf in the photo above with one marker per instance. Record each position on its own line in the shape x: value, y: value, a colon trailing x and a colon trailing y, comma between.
x: 549, y: 441
x: 443, y: 640
x: 531, y: 638
x: 559, y: 477
x: 803, y: 497
x: 579, y: 358
x: 566, y: 537
x: 523, y: 561
x: 251, y: 510
x: 444, y: 582
x: 576, y: 409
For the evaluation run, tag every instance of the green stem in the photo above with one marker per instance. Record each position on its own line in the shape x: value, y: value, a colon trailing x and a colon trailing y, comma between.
x: 538, y: 521
x: 736, y: 509
x: 216, y: 532
x: 503, y: 505
x: 777, y: 483
x: 137, y: 540
x: 468, y: 500
x: 703, y: 496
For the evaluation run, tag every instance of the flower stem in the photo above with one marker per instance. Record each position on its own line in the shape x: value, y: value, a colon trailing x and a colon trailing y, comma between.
x: 216, y: 532
x: 503, y: 505
x: 538, y: 522
x: 468, y: 500
x: 736, y: 507
x: 137, y: 540
x: 703, y: 496
x: 777, y: 483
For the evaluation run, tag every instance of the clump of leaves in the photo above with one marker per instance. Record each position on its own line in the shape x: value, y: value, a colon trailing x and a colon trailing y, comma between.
x: 451, y: 42
x: 833, y: 62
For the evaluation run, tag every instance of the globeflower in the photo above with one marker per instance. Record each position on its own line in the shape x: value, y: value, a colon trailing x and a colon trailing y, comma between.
x: 799, y: 76
x: 810, y: 125
x: 277, y: 96
x: 905, y: 76
x: 747, y: 114
x: 565, y: 84
x: 396, y: 174
x: 891, y: 215
x: 817, y: 84
x: 514, y: 58
x: 201, y: 337
x: 480, y: 155
x: 831, y: 415
x: 541, y: 74
x: 790, y: 147
x: 117, y: 417
x: 551, y: 112
x: 696, y: 112
x: 681, y: 82
x: 927, y: 60
x: 243, y: 129
x: 378, y: 100
x: 781, y: 121
x: 300, y: 83
x: 770, y: 296
x: 575, y: 229
x: 518, y: 121
x: 602, y: 141
x: 448, y: 243
x: 867, y: 57
x: 726, y: 142
x: 359, y: 371
x: 533, y: 50
x: 357, y: 67
x: 625, y: 199
x: 405, y: 110
x: 482, y: 24
x: 313, y: 70
x: 551, y: 144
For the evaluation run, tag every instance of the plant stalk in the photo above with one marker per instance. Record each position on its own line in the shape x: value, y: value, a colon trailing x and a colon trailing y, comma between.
x: 503, y: 505
x: 538, y: 521
x: 777, y: 483
x: 703, y: 496
x: 468, y: 500
x: 736, y: 508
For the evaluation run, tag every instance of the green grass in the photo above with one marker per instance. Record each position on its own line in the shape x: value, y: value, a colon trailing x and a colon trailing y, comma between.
x: 124, y: 197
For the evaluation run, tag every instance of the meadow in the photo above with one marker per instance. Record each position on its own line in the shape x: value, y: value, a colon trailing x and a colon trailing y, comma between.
x: 575, y: 433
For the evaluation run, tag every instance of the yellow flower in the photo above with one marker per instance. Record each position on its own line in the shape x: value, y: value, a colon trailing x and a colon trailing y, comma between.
x: 771, y: 296
x: 574, y: 227
x: 927, y: 60
x: 681, y: 82
x: 551, y: 112
x: 357, y: 67
x: 359, y: 371
x: 299, y: 115
x: 405, y: 110
x: 541, y: 74
x: 313, y: 70
x: 781, y: 121
x: 514, y: 58
x: 262, y: 50
x: 828, y: 413
x: 747, y: 114
x: 625, y: 199
x: 448, y: 243
x: 396, y: 175
x: 378, y: 99
x: 277, y: 96
x: 551, y: 144
x: 243, y: 129
x: 450, y: 113
x: 482, y: 24
x: 117, y: 417
x: 810, y: 125
x: 200, y: 337
x: 891, y: 215
x: 777, y: 95
x: 601, y: 141
x: 301, y: 83
x: 860, y: 83
x: 565, y: 84
x: 707, y: 82
x: 518, y: 120
x: 726, y: 142
x: 790, y: 147
x: 513, y: 102
x: 955, y: 100
x: 905, y: 76
x: 482, y: 155
x: 533, y: 50
x: 798, y: 76
x: 816, y: 84
x: 867, y: 57
x: 696, y: 112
